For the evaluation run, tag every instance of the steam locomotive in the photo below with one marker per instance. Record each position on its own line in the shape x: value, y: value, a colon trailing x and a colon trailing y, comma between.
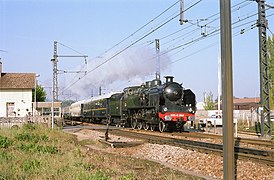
x: 152, y: 105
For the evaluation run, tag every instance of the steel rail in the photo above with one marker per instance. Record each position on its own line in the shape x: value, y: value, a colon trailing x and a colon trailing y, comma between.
x: 263, y: 156
x: 260, y: 142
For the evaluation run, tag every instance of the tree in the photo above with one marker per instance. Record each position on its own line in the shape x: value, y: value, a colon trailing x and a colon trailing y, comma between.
x: 209, y: 104
x: 270, y: 49
x: 40, y: 94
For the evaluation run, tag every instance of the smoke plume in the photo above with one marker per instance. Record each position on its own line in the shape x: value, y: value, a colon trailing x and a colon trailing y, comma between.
x: 133, y: 65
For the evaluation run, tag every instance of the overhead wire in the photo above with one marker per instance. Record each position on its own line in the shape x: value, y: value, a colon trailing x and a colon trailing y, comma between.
x: 213, y: 33
x: 78, y: 52
x: 234, y: 8
x: 138, y: 40
x: 248, y: 28
x: 211, y: 16
x: 132, y: 34
x: 196, y: 40
x: 208, y: 35
x: 212, y: 44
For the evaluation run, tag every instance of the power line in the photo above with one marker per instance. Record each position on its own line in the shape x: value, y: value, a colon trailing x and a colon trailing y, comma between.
x: 124, y: 49
x: 132, y: 34
x: 270, y: 31
x: 70, y: 48
x: 211, y: 16
x: 213, y: 44
x: 213, y: 33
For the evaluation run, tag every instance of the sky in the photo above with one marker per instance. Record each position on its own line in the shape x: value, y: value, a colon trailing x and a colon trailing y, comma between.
x: 119, y: 39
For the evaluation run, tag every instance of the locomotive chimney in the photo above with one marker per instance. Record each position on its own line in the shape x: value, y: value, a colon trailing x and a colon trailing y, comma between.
x: 148, y: 84
x: 169, y: 79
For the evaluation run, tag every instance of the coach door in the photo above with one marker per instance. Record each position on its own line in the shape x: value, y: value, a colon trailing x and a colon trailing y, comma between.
x: 10, y: 106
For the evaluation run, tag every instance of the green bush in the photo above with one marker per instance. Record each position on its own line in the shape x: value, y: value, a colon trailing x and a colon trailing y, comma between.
x: 130, y: 176
x: 37, y: 148
x: 29, y: 126
x: 31, y: 137
x: 98, y: 175
x: 5, y: 156
x: 5, y: 142
x: 31, y: 165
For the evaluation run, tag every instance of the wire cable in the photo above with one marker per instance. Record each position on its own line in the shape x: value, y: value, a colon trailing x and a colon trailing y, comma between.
x: 124, y: 49
x: 132, y: 34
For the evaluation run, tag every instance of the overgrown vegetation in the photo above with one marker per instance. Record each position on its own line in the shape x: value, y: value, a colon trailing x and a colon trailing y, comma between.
x: 41, y: 94
x: 209, y: 104
x: 255, y: 128
x: 36, y: 152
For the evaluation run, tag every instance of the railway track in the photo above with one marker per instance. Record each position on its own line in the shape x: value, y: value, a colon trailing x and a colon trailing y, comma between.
x: 184, y: 140
x: 239, y: 141
x: 262, y: 156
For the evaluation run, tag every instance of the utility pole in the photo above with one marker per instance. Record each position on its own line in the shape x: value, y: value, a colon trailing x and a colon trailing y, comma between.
x: 227, y: 90
x: 54, y: 82
x: 55, y: 77
x: 157, y: 42
x: 264, y: 70
x: 219, y: 84
x: 181, y: 12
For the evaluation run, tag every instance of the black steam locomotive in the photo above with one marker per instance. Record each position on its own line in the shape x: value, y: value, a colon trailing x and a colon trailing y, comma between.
x: 148, y: 106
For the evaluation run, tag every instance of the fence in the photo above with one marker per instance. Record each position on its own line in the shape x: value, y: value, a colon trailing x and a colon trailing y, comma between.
x: 10, y: 122
x: 246, y: 118
x: 14, y: 122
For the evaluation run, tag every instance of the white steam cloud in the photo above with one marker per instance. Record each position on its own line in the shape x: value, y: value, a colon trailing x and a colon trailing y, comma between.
x: 133, y: 65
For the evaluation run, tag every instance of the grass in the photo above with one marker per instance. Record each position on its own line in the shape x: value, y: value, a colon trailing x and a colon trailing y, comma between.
x: 36, y: 152
x: 255, y: 128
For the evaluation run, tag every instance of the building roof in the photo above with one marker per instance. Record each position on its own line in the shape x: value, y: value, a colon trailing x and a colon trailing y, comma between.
x: 246, y: 100
x: 47, y: 104
x: 17, y: 81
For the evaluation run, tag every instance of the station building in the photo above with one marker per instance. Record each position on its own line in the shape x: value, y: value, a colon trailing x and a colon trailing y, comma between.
x: 16, y: 93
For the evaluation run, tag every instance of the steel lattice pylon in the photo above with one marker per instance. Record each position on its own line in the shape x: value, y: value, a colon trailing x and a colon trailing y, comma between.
x: 264, y: 70
x: 55, y: 81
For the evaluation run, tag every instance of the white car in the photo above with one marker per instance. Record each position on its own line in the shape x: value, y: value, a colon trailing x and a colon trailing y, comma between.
x: 211, y: 121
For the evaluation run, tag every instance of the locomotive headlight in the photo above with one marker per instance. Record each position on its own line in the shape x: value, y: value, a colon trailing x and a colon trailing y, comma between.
x: 165, y: 109
x: 190, y: 109
x: 168, y: 118
x: 168, y: 90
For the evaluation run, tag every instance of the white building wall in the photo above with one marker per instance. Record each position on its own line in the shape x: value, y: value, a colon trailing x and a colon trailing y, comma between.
x: 22, y: 99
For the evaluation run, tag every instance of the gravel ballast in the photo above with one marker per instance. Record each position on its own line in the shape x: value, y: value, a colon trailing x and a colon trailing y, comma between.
x: 200, y: 164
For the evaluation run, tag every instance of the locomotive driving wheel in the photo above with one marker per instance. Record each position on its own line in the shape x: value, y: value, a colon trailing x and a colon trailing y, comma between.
x: 152, y: 127
x: 146, y: 126
x: 133, y: 123
x: 139, y: 124
x: 162, y: 126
